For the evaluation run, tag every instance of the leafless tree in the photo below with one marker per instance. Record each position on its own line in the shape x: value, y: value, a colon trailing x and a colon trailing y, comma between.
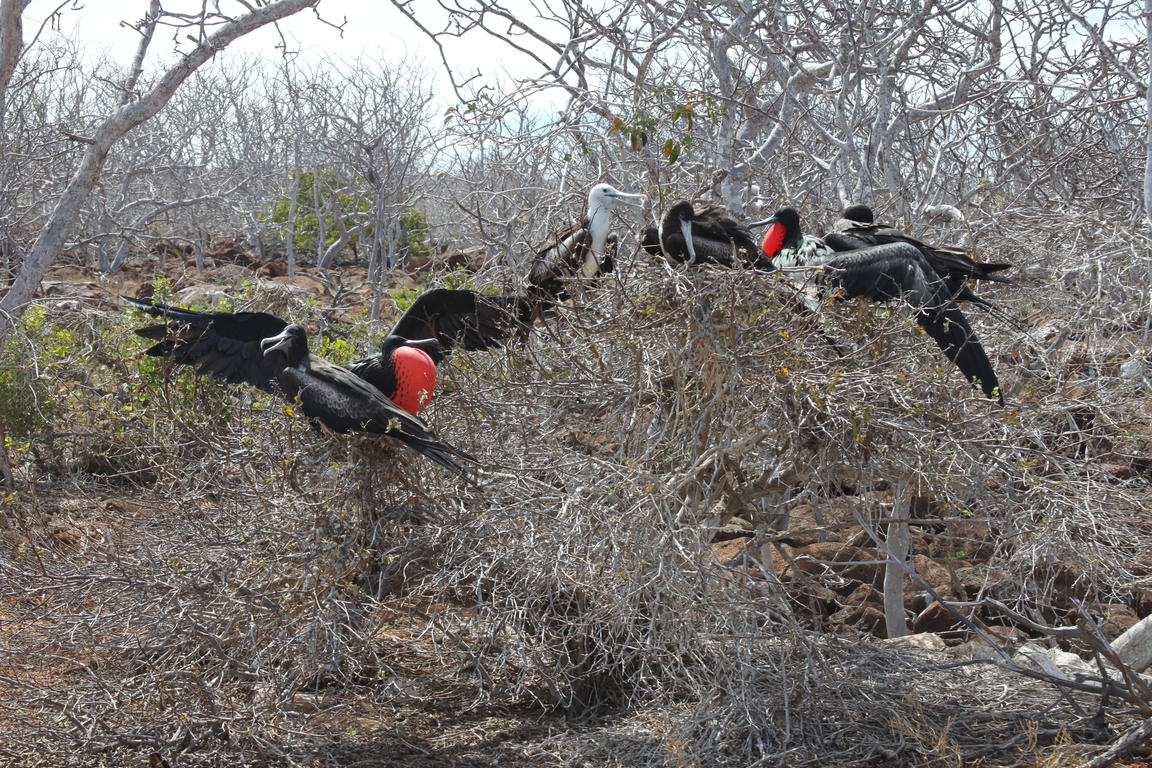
x: 213, y: 33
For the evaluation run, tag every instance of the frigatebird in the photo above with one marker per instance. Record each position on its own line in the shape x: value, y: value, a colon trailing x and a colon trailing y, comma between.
x: 450, y: 317
x: 586, y: 250
x: 896, y: 270
x: 857, y: 229
x: 706, y: 236
x: 260, y: 349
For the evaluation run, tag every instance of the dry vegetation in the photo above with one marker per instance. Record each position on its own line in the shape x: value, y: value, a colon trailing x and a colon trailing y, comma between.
x: 676, y: 546
x: 672, y: 555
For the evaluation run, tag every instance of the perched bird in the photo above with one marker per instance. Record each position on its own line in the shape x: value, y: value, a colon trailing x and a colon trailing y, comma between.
x: 442, y: 318
x: 857, y: 229
x: 344, y: 402
x: 707, y: 236
x: 585, y: 250
x: 895, y: 270
x: 262, y: 350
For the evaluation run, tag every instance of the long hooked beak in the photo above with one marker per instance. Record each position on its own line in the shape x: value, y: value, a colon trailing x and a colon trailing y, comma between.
x: 628, y: 198
x: 273, y: 343
x: 432, y: 347
x: 686, y: 228
x: 762, y: 223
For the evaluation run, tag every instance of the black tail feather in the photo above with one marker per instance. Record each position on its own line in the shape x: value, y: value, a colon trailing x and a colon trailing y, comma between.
x: 952, y: 333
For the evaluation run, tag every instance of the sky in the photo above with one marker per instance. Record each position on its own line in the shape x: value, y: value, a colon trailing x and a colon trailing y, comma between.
x: 373, y: 26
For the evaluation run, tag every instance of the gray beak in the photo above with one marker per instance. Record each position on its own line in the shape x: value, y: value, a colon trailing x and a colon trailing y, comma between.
x: 627, y: 198
x: 686, y: 228
x: 432, y: 347
x: 273, y: 343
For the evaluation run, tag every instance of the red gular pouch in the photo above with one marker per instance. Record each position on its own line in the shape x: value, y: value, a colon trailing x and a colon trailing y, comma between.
x: 415, y: 379
x: 773, y: 239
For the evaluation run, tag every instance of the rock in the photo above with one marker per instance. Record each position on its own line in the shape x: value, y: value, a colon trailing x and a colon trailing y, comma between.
x: 980, y: 580
x: 963, y: 539
x: 859, y: 563
x: 204, y: 295
x: 928, y: 641
x: 866, y: 618
x: 730, y: 550
x: 934, y: 618
x: 307, y: 283
x: 973, y: 650
x: 937, y: 575
x: 1053, y: 661
x: 1117, y: 619
x: 863, y: 594
x: 1133, y: 370
x: 1117, y: 470
x: 1134, y: 647
x: 806, y: 525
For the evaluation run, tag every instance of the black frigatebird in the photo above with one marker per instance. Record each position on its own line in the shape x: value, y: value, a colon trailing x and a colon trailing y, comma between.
x: 896, y: 270
x: 260, y: 349
x: 705, y: 236
x: 857, y: 229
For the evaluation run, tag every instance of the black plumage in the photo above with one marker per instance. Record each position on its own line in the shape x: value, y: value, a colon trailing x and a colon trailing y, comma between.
x: 857, y: 229
x: 897, y: 270
x: 343, y: 402
x: 705, y: 236
x: 235, y: 347
x: 222, y: 345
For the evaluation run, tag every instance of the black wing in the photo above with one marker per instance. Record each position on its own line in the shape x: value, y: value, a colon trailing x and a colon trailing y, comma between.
x: 223, y: 345
x: 650, y: 241
x: 886, y: 272
x: 457, y: 318
x: 563, y: 259
x: 900, y: 271
x: 846, y: 241
x: 948, y: 261
x: 745, y: 245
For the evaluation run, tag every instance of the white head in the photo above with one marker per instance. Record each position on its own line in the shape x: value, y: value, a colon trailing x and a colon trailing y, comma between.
x: 608, y: 197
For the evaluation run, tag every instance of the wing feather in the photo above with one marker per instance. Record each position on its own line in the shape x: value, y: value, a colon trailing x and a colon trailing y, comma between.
x: 223, y: 345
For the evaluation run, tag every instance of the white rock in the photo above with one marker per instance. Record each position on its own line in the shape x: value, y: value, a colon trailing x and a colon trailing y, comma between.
x: 1053, y: 661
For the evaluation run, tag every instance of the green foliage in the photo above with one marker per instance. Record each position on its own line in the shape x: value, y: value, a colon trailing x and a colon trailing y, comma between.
x: 414, y: 233
x: 329, y: 190
x: 27, y: 395
x: 315, y: 191
x: 676, y: 123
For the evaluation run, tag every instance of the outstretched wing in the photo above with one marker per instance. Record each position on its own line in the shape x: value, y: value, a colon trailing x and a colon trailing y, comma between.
x: 223, y: 345
x: 457, y: 318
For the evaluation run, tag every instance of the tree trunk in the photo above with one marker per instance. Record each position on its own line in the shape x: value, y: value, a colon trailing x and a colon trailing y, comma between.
x: 1148, y: 106
x: 11, y: 45
x: 51, y: 239
x: 899, y: 542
